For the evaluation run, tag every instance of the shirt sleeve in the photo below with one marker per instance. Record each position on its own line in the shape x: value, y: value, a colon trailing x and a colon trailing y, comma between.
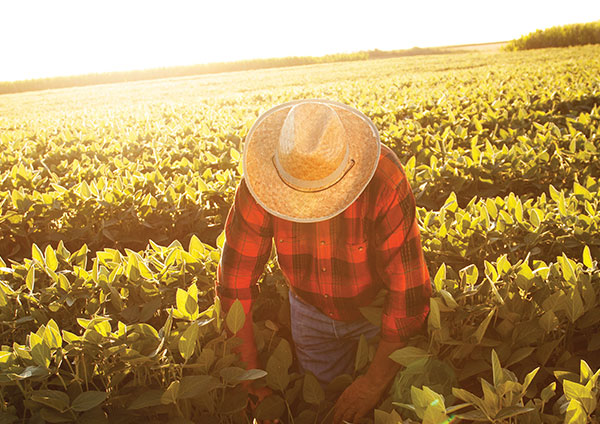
x: 247, y: 247
x: 400, y: 261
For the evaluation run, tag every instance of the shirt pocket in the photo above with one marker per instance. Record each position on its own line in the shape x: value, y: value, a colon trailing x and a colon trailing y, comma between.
x: 353, y: 265
x: 356, y: 252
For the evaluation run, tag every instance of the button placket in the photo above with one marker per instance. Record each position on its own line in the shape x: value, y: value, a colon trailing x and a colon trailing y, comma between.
x: 324, y: 260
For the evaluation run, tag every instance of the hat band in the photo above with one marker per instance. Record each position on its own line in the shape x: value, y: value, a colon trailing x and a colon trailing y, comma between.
x: 314, y: 185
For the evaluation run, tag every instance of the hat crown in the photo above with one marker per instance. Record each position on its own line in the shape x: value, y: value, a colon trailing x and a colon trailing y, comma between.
x: 312, y: 144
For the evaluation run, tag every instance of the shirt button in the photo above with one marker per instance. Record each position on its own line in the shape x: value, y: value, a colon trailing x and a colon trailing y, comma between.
x: 323, y: 269
x: 325, y: 296
x: 280, y: 240
x: 330, y: 314
x: 322, y: 242
x: 360, y: 248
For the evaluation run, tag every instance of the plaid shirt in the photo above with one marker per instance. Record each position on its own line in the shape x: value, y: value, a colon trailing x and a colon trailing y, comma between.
x: 340, y: 264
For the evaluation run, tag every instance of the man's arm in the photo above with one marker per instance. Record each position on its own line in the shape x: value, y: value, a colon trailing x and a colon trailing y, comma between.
x: 246, y: 250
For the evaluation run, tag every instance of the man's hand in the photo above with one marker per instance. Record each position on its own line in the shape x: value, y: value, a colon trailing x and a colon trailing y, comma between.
x: 357, y: 400
x: 364, y: 393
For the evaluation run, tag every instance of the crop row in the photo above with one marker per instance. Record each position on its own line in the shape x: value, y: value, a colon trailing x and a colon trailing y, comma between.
x: 138, y: 334
x: 542, y: 228
x: 122, y: 180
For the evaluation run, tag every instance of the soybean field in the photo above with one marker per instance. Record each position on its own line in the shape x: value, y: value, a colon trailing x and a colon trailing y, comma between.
x: 112, y: 205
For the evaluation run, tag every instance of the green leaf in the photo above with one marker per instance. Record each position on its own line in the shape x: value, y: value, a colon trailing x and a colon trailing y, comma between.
x: 271, y: 407
x: 79, y: 258
x: 491, y: 399
x: 575, y: 413
x: 450, y: 302
x: 491, y: 208
x: 519, y: 354
x: 187, y: 306
x: 408, y: 354
x: 193, y: 386
x: 362, y: 354
x: 585, y: 372
x: 132, y: 270
x: 548, y: 392
x: 480, y: 332
x: 88, y: 400
x: 197, y: 248
x: 490, y: 271
x: 562, y: 204
x: 30, y: 279
x: 529, y: 378
x: 512, y: 411
x: 575, y: 308
x: 147, y: 399
x: 587, y: 257
x: 278, y: 365
x: 383, y: 417
x: 535, y: 218
x: 575, y: 390
x: 252, y: 374
x: 40, y: 351
x: 51, y: 260
x: 235, y: 317
x: 53, y: 398
x: 554, y: 193
x: 440, y: 276
x: 372, y: 314
x: 221, y: 240
x: 36, y: 254
x: 468, y: 397
x: 568, y: 269
x: 525, y: 277
x: 31, y: 372
x: 434, y: 321
x: 497, y: 369
x: 187, y: 342
x: 235, y: 155
x: 469, y: 274
x: 102, y: 327
x: 428, y: 405
x: 519, y: 211
x: 435, y: 415
x: 231, y: 374
x: 171, y: 394
x: 52, y: 335
x: 451, y: 203
x: 312, y: 391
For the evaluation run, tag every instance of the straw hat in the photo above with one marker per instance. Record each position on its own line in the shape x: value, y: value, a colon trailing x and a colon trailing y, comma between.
x: 308, y: 160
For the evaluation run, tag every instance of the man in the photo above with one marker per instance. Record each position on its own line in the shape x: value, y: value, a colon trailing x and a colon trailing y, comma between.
x: 336, y: 201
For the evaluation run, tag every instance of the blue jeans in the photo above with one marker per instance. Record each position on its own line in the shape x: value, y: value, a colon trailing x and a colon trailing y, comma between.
x: 324, y: 346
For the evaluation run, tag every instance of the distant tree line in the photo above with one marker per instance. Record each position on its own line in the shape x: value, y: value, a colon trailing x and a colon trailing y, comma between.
x: 558, y: 36
x: 210, y: 68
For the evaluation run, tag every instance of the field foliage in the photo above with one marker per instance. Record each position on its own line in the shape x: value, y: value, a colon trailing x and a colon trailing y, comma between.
x: 208, y: 68
x: 113, y: 198
x: 558, y: 36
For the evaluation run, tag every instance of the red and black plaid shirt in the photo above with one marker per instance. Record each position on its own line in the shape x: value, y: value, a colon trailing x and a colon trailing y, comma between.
x: 340, y: 264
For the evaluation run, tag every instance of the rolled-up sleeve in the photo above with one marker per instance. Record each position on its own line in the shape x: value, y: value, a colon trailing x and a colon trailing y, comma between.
x: 400, y: 262
x: 247, y: 247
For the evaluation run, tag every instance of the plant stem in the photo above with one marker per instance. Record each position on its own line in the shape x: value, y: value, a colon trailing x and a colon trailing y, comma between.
x: 287, y: 405
x: 327, y: 415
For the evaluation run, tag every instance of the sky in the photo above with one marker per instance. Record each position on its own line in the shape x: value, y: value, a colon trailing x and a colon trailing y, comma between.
x: 44, y: 38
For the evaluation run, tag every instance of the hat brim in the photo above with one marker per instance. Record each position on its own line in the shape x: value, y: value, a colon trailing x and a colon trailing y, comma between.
x: 279, y: 199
